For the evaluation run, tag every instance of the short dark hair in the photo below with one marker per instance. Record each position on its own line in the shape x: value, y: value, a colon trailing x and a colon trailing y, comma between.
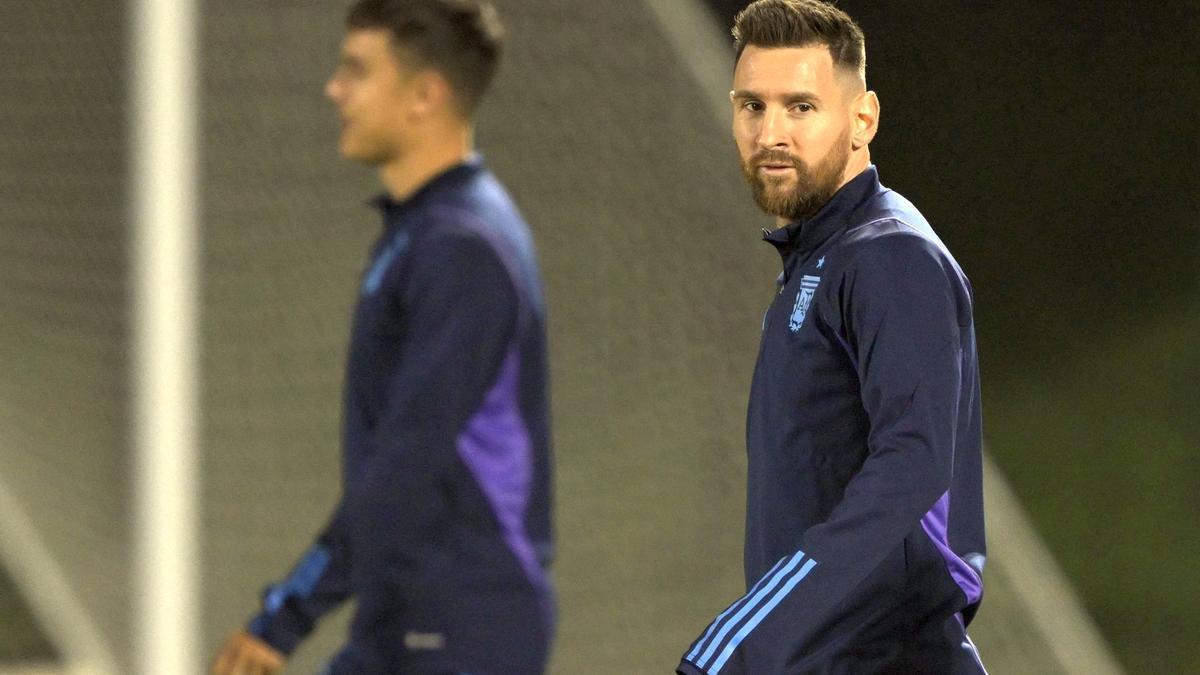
x: 461, y: 39
x: 802, y: 23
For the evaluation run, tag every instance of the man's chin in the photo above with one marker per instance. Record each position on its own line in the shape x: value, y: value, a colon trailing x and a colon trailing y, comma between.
x: 358, y: 154
x: 776, y: 194
x: 783, y: 180
x: 779, y: 189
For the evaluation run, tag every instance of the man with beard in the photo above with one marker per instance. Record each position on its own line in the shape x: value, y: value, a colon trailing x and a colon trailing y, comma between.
x: 864, y: 522
x: 442, y: 534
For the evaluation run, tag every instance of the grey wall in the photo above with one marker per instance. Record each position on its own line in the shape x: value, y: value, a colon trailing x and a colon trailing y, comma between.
x: 285, y: 229
x: 63, y: 296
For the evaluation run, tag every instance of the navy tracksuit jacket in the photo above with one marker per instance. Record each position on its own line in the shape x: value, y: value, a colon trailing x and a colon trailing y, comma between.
x: 864, y: 521
x: 443, y: 532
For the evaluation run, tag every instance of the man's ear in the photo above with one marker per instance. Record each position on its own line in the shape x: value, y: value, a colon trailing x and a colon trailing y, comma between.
x: 864, y: 120
x: 431, y: 93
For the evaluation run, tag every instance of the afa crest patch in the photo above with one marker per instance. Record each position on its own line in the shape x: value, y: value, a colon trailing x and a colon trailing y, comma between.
x: 808, y: 287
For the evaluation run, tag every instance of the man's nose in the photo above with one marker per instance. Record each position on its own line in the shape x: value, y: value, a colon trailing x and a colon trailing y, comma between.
x: 773, y: 132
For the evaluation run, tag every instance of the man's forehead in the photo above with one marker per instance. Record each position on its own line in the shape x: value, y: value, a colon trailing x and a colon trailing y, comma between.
x: 808, y: 68
x: 365, y: 42
x: 375, y: 45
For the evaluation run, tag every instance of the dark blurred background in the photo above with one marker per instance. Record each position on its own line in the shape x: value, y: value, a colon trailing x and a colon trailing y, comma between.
x: 1054, y: 146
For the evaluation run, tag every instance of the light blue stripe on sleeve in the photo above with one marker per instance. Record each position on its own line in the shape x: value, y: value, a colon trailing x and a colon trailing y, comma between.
x: 758, y: 597
x: 736, y: 604
x: 760, y: 615
x: 301, y: 581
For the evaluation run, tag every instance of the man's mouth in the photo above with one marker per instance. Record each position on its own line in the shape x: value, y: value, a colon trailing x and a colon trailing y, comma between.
x: 774, y: 163
x: 775, y: 169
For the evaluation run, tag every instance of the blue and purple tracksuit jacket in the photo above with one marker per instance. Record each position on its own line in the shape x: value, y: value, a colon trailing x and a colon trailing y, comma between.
x: 443, y: 531
x: 864, y: 522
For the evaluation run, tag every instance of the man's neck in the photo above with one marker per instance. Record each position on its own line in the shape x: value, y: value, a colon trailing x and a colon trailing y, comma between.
x: 437, y: 152
x: 858, y: 163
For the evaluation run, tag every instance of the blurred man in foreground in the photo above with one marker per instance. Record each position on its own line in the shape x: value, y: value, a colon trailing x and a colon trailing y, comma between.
x: 442, y: 534
x: 864, y: 522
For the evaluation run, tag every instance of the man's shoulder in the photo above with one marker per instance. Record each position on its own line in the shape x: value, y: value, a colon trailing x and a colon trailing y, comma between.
x: 479, y: 199
x: 477, y: 207
x: 890, y: 250
x: 453, y: 237
x: 466, y: 235
x: 889, y: 230
x: 886, y: 213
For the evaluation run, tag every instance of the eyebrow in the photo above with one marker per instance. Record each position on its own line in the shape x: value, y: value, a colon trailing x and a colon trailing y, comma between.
x: 790, y: 97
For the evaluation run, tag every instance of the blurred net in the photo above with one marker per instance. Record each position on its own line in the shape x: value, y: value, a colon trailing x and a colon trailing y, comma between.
x: 63, y: 269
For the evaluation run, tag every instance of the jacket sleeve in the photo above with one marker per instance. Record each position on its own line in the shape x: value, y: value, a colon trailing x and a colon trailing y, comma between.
x: 317, y: 583
x: 460, y: 309
x: 901, y: 304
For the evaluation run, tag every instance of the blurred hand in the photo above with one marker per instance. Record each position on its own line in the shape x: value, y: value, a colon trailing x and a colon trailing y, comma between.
x: 244, y: 654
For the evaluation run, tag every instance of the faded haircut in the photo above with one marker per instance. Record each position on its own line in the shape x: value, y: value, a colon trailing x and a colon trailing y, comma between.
x: 461, y: 39
x: 802, y: 23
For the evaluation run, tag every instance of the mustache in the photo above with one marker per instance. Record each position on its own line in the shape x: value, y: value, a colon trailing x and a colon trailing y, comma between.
x: 773, y: 158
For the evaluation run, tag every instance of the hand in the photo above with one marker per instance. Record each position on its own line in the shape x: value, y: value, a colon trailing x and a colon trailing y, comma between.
x: 244, y: 654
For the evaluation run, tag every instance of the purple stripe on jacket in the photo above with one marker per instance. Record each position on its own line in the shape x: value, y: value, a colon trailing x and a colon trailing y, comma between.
x: 935, y: 523
x: 495, y: 447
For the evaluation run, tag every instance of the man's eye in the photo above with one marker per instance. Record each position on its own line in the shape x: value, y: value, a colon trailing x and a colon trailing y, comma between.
x: 801, y: 107
x: 752, y: 106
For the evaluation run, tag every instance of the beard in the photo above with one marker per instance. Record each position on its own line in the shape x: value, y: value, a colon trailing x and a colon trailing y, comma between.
x: 812, y: 189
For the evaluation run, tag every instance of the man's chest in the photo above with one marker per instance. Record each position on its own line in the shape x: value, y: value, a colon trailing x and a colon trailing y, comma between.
x: 804, y: 360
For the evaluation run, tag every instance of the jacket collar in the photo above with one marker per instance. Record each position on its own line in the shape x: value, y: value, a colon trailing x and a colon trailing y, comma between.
x: 807, y: 235
x: 395, y: 210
